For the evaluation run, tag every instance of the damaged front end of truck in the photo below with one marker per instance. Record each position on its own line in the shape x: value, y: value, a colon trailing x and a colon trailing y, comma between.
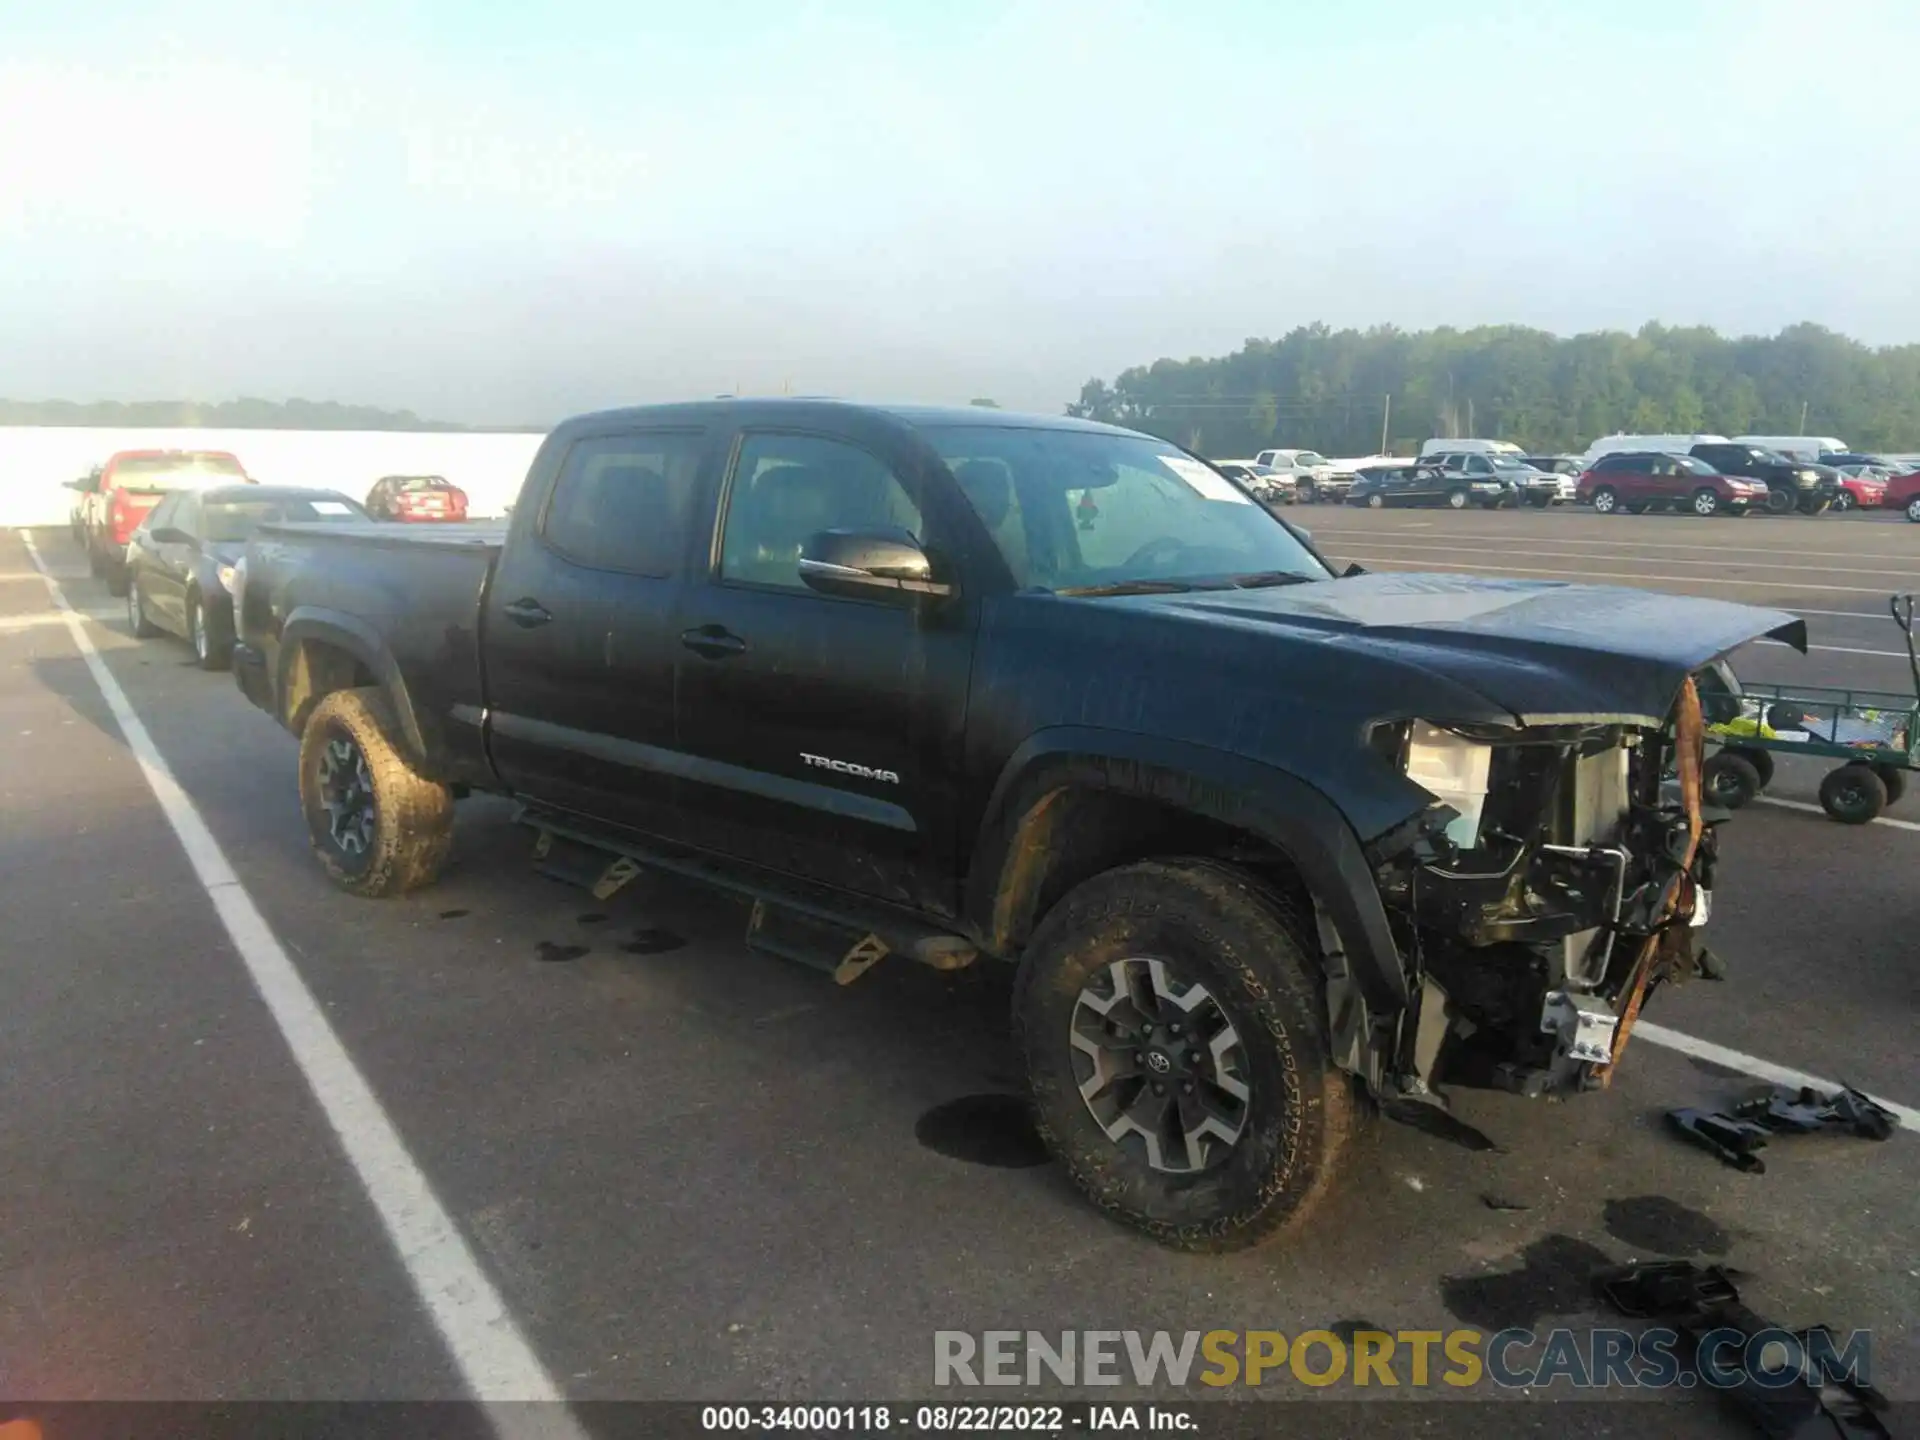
x: 1560, y: 873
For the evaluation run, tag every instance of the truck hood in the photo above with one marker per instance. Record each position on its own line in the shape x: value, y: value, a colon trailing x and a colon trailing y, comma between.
x: 1545, y: 653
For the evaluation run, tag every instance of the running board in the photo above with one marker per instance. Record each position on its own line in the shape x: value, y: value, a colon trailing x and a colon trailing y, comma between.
x: 799, y: 923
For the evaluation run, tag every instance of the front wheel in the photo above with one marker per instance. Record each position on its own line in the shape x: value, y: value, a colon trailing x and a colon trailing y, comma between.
x: 1779, y: 502
x: 212, y: 642
x: 1171, y: 1018
x: 1853, y: 794
x: 1457, y: 499
x: 1705, y: 502
x: 379, y: 826
x: 1540, y: 502
x: 1844, y: 502
x: 1605, y: 500
x: 1306, y: 494
x: 1913, y: 509
x: 1376, y: 502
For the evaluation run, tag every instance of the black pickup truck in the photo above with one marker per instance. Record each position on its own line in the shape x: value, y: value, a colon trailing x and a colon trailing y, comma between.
x: 959, y: 684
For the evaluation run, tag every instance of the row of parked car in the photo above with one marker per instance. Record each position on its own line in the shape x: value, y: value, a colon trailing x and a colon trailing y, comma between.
x: 113, y: 500
x: 1704, y: 474
x: 166, y: 529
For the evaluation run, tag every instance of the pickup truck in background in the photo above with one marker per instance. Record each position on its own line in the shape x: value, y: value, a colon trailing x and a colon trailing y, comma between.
x: 129, y: 485
x: 1314, y: 476
x: 960, y: 684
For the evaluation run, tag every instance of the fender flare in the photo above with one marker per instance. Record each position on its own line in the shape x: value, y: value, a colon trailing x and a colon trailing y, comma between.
x: 358, y: 639
x: 1278, y: 806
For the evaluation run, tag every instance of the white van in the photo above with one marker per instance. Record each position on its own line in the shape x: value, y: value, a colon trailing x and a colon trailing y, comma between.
x: 1662, y: 444
x: 1797, y: 447
x: 1469, y: 447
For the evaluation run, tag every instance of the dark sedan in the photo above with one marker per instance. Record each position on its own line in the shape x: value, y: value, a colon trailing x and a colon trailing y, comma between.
x: 1381, y: 485
x: 181, y: 561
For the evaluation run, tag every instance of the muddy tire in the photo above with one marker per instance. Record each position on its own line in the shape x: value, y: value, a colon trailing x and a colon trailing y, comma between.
x: 1853, y: 794
x: 1731, y: 780
x: 379, y: 827
x: 1183, y: 974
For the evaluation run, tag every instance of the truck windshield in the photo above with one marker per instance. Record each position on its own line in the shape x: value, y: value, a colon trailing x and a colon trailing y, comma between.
x: 1077, y: 510
x: 1309, y: 458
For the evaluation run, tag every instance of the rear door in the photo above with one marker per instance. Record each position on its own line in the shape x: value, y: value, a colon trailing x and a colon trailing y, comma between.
x: 824, y: 732
x: 578, y: 625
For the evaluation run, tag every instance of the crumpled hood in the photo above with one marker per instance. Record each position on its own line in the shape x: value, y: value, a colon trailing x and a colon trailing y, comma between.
x: 1546, y: 653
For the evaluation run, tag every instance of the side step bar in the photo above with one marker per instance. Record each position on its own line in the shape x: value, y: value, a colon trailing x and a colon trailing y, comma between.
x: 844, y: 939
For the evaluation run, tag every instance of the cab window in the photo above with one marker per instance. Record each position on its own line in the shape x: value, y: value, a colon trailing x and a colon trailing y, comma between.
x: 787, y: 488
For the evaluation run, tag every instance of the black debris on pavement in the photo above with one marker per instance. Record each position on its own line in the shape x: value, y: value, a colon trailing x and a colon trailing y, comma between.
x: 1554, y: 1279
x: 454, y: 914
x: 1738, y: 1135
x: 592, y: 917
x: 1503, y: 1202
x: 1698, y: 1302
x: 548, y: 953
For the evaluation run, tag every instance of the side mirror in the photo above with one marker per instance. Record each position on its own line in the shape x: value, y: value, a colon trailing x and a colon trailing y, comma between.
x: 868, y: 565
x: 83, y: 485
x: 168, y: 535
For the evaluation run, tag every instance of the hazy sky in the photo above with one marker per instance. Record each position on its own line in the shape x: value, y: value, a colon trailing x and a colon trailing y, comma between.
x: 509, y: 211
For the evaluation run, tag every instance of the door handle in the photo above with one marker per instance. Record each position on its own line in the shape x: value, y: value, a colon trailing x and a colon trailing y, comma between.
x: 527, y: 613
x: 716, y: 642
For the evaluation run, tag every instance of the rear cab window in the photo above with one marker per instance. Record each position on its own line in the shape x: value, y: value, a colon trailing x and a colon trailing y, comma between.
x: 188, y: 470
x: 623, y: 502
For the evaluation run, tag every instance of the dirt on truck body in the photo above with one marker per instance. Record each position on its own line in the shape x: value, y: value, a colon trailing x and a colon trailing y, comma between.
x: 1263, y: 839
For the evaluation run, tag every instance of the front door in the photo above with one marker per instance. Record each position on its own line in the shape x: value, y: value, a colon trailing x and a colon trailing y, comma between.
x: 823, y: 733
x: 578, y: 628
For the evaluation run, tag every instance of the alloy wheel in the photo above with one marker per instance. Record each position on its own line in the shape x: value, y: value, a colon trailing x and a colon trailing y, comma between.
x: 1160, y: 1066
x: 346, y: 794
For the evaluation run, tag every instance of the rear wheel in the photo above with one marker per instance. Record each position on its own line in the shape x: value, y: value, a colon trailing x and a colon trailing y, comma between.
x: 1171, y: 1018
x: 1731, y: 780
x: 1705, y: 502
x: 1853, y: 794
x: 1606, y: 500
x: 1894, y: 780
x: 1913, y: 509
x: 1813, y: 505
x: 379, y: 827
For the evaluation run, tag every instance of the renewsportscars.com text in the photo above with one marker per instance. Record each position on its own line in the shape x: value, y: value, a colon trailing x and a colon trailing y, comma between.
x: 1513, y: 1358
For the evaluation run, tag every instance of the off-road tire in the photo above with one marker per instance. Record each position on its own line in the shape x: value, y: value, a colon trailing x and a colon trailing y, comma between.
x: 1853, y: 794
x: 1216, y: 925
x: 413, y: 815
x: 1731, y: 780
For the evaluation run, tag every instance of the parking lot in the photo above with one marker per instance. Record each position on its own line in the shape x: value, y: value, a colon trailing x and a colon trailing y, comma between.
x: 689, y: 1171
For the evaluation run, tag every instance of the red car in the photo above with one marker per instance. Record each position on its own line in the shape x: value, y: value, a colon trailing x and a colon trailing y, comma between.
x: 417, y: 497
x: 131, y: 483
x: 1859, y: 492
x: 1903, y: 493
x: 1637, y: 480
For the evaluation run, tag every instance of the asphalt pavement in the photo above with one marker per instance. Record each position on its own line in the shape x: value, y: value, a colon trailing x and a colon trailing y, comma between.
x: 689, y: 1171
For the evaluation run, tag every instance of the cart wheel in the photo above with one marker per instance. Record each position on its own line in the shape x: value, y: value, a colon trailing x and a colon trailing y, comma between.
x: 1731, y: 780
x: 1894, y: 778
x: 1761, y: 760
x: 1853, y: 794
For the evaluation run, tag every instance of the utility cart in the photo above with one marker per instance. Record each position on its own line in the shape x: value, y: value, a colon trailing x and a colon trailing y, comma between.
x: 1875, y: 735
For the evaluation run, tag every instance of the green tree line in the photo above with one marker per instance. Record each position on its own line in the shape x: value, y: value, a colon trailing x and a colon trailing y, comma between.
x: 243, y: 414
x: 1335, y: 390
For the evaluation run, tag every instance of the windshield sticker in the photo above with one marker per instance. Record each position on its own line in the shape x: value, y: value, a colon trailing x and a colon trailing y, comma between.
x: 331, y: 507
x: 1203, y: 481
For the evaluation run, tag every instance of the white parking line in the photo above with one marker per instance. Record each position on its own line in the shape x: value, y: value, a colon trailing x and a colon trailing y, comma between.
x: 1753, y: 1065
x: 1839, y: 649
x: 494, y: 1359
x: 1816, y: 810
